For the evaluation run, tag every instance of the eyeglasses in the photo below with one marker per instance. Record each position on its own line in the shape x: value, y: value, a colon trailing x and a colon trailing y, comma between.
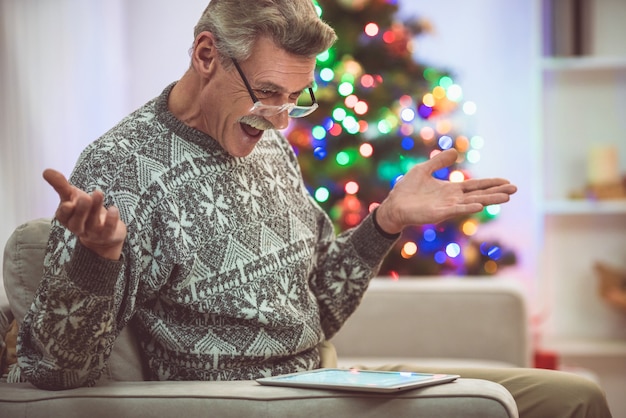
x: 260, y: 109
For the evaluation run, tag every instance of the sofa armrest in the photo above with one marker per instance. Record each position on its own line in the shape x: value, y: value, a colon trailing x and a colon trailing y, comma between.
x: 472, y: 318
x: 464, y: 397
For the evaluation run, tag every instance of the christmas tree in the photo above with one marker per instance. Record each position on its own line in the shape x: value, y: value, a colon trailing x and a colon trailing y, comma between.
x: 381, y: 113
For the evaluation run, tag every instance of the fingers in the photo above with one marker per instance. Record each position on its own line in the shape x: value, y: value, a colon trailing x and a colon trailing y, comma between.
x: 76, y: 220
x: 484, y: 184
x: 442, y: 160
x: 59, y: 183
x: 111, y: 219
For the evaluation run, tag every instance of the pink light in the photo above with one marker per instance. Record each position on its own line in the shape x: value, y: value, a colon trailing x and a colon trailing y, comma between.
x: 371, y: 29
x: 406, y: 129
x: 352, y: 187
x: 366, y: 150
x: 351, y: 101
x: 406, y: 101
x: 336, y: 130
x: 434, y: 152
x: 367, y: 81
x: 389, y: 37
x: 363, y: 126
x: 361, y: 108
x: 427, y: 133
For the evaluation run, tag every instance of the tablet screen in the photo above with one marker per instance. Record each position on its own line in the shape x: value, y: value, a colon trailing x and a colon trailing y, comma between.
x: 358, y: 379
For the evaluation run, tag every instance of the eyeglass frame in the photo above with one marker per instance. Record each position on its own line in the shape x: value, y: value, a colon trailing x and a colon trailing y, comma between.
x: 289, y: 107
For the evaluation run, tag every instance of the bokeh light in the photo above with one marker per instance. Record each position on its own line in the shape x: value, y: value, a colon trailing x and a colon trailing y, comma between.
x: 366, y: 150
x: 322, y: 194
x: 371, y: 29
x: 352, y: 187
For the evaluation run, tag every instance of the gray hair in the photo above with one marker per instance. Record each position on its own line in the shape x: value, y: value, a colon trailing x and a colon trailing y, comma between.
x: 292, y: 24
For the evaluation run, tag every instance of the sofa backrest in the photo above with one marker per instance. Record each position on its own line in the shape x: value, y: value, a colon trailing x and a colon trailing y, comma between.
x: 439, y: 318
x: 23, y: 261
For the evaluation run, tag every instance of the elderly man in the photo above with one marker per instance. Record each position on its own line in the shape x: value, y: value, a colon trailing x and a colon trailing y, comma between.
x: 189, y: 221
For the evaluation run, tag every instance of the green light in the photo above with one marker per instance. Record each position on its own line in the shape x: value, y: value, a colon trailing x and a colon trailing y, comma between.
x: 318, y: 132
x: 492, y: 210
x: 345, y: 89
x: 339, y: 114
x: 324, y: 56
x: 322, y: 194
x: 384, y: 127
x: 347, y: 78
x: 387, y: 170
x: 408, y: 163
x: 318, y: 8
x: 445, y: 82
x: 351, y: 125
x: 431, y: 74
x: 343, y: 158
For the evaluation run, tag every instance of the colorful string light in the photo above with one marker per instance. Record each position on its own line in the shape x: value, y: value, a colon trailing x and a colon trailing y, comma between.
x: 357, y: 132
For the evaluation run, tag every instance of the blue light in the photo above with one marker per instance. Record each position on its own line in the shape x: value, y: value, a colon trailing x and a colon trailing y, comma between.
x: 442, y: 174
x: 320, y: 153
x: 408, y: 143
x: 440, y: 257
x: 495, y: 253
x: 328, y: 123
x: 396, y: 179
x: 445, y: 142
x: 425, y: 111
x: 430, y: 235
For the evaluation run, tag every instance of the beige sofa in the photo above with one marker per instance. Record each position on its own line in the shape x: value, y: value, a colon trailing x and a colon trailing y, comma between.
x: 479, y: 322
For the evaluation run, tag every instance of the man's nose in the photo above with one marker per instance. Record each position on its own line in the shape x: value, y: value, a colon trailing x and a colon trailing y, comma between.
x: 280, y: 120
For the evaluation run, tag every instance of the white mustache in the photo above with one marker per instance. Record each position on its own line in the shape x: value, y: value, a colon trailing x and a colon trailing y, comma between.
x: 257, y: 122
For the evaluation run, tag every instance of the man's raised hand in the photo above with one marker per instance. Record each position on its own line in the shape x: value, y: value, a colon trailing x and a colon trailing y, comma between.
x: 98, y: 228
x: 419, y: 198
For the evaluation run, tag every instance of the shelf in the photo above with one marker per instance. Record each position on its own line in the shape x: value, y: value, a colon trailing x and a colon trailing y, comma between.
x: 585, y: 207
x: 586, y: 347
x: 583, y: 63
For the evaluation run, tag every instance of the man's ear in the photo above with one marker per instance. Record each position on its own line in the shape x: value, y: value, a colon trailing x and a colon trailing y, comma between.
x: 204, y: 54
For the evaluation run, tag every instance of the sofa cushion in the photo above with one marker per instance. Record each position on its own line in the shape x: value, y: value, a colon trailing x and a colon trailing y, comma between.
x: 23, y: 264
x: 464, y: 397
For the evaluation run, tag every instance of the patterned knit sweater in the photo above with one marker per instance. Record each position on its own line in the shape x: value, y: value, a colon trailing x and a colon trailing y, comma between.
x: 229, y: 271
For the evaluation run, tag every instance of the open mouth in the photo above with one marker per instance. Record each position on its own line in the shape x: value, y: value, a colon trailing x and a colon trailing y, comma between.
x: 251, y: 131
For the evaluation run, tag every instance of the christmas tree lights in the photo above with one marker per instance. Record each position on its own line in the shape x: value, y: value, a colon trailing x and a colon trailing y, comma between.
x: 380, y: 114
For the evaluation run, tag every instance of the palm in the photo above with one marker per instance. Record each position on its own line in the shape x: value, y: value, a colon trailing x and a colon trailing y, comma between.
x: 419, y: 198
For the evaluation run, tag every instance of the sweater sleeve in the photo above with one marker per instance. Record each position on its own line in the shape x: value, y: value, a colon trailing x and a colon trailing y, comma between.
x: 68, y: 333
x: 345, y: 264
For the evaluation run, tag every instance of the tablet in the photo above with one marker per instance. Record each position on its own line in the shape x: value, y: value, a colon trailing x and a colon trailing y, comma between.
x: 358, y: 380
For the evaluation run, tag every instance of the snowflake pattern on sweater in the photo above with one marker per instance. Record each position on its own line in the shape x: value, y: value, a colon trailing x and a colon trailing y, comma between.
x: 229, y: 271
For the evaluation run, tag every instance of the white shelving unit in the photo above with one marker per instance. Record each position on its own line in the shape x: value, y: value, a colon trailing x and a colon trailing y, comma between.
x: 584, y: 207
x: 581, y: 103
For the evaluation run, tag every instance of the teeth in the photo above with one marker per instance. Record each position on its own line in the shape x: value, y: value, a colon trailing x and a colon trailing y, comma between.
x: 257, y: 123
x: 258, y: 126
